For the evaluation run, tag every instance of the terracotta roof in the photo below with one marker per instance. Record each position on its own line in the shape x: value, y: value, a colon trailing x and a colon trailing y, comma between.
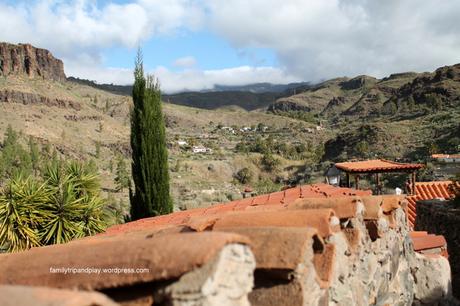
x: 275, y: 200
x: 376, y: 165
x: 424, y: 242
x: 427, y: 191
x: 301, y: 245
x: 323, y: 220
x: 43, y: 296
x: 445, y: 155
x: 104, y: 252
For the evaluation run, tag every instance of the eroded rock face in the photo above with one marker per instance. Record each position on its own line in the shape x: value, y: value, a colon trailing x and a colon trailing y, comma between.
x: 13, y: 96
x: 24, y: 59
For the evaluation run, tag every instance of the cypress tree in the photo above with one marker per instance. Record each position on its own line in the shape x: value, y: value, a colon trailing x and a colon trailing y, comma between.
x: 150, y: 196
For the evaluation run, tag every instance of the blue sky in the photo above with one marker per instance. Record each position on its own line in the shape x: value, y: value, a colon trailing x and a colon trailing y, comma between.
x: 196, y: 44
x: 209, y: 50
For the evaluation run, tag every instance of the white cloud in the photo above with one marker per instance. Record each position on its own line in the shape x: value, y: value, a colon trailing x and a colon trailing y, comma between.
x: 187, y: 79
x: 198, y: 79
x: 185, y: 62
x: 312, y: 39
x: 72, y: 29
x: 319, y: 39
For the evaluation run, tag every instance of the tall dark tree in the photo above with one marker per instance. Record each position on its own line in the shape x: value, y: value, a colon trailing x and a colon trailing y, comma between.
x: 150, y: 196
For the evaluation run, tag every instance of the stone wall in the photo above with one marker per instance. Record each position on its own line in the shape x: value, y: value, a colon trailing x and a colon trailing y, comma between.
x: 345, y: 250
x: 442, y: 218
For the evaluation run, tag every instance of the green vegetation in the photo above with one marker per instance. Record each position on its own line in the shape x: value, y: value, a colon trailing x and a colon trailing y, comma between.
x: 270, y: 162
x: 49, y: 202
x: 299, y: 115
x: 244, y: 175
x: 290, y: 151
x: 264, y: 186
x: 122, y: 179
x: 150, y: 196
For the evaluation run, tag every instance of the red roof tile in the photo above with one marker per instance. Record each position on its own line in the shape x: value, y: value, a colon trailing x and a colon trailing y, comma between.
x: 376, y: 165
x: 445, y: 156
x: 324, y: 220
x: 429, y: 242
x: 271, y: 201
x: 427, y: 191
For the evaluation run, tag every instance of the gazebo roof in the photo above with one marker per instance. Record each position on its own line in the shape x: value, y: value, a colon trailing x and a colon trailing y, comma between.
x: 377, y: 165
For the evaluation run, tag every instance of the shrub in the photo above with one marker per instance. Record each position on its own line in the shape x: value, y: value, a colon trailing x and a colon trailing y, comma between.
x: 455, y: 189
x: 270, y: 162
x: 265, y: 186
x: 65, y: 204
x: 244, y: 175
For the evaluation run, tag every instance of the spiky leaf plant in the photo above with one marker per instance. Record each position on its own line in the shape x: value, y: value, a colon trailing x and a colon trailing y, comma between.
x: 75, y: 204
x: 22, y: 213
x: 66, y: 210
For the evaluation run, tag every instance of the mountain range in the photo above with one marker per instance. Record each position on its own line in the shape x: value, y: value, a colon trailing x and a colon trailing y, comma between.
x: 405, y: 116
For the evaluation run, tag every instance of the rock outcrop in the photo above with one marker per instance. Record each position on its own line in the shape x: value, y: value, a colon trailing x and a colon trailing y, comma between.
x: 287, y: 106
x: 26, y: 98
x: 26, y: 60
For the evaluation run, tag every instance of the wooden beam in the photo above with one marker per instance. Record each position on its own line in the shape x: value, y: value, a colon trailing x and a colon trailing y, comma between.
x: 348, y: 180
x: 377, y: 179
x: 357, y: 181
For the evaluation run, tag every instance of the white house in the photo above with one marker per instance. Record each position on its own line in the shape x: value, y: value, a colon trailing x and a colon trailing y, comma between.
x: 182, y: 143
x: 199, y: 149
x: 229, y: 129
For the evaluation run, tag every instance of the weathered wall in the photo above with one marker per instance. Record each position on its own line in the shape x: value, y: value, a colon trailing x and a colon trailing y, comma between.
x: 440, y: 217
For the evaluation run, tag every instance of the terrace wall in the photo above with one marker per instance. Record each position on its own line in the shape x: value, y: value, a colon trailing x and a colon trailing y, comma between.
x: 442, y: 218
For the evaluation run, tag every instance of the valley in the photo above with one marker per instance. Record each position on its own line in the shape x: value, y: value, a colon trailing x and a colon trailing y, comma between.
x: 286, y: 140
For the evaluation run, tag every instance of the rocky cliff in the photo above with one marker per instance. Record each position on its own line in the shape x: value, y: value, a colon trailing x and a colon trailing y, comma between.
x: 26, y: 60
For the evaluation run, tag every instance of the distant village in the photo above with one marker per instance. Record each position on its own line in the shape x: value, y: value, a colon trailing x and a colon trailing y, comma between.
x: 231, y: 130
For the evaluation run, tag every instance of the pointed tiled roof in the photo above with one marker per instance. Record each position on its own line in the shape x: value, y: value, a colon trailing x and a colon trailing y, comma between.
x: 376, y: 165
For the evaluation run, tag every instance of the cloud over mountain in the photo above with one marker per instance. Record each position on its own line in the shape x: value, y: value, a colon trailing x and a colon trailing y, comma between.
x: 312, y: 40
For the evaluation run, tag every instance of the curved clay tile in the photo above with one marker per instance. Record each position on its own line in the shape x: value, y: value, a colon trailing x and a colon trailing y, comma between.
x: 428, y: 242
x: 344, y: 207
x: 324, y: 220
x: 43, y: 296
x: 372, y: 207
x: 392, y: 202
x: 290, y: 249
x: 166, y: 262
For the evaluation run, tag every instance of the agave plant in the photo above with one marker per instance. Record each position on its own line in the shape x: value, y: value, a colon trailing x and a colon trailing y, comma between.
x: 65, y: 210
x: 75, y: 205
x: 22, y: 212
x: 85, y: 180
x: 66, y: 206
x: 93, y: 217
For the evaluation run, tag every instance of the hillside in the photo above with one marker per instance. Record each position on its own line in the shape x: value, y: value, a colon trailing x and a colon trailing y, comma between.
x: 404, y: 116
x: 76, y: 119
x: 247, y: 97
